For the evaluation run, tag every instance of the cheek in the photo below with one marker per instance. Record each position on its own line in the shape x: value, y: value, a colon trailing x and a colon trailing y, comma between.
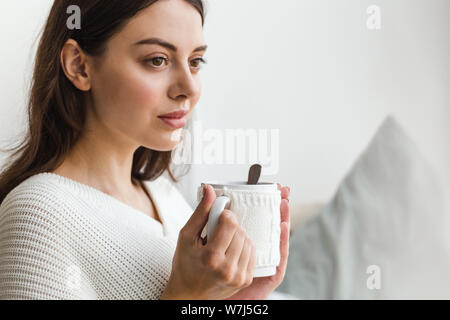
x: 140, y: 96
x: 129, y: 98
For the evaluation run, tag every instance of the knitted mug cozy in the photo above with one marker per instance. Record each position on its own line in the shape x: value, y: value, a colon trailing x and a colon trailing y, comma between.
x: 258, y: 213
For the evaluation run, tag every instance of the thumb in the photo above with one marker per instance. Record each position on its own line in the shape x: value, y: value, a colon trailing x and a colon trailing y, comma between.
x: 198, y: 220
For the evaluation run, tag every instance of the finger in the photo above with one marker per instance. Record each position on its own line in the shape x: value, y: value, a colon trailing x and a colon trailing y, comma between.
x: 252, y: 263
x: 285, y: 192
x: 198, y: 219
x: 244, y: 259
x: 233, y: 252
x: 279, y: 186
x: 224, y: 232
x: 284, y: 249
x: 285, y: 211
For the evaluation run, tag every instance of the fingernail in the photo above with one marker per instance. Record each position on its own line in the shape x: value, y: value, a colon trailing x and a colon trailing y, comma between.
x: 204, y: 189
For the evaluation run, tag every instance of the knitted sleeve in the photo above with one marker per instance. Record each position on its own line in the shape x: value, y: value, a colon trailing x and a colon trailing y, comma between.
x: 36, y: 253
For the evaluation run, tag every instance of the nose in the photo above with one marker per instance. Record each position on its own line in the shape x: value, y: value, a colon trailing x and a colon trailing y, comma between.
x: 185, y: 84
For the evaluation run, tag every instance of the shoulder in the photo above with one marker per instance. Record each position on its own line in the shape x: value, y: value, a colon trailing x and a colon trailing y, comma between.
x: 39, y: 187
x: 38, y: 198
x: 37, y: 255
x: 36, y: 240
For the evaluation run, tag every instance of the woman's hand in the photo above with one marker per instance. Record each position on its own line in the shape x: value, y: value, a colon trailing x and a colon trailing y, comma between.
x: 261, y: 287
x: 217, y: 269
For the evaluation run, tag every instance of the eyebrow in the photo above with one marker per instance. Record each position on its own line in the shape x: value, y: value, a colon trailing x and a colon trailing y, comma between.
x: 167, y: 45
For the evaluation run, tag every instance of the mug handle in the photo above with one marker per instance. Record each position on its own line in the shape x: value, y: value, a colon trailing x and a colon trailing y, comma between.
x: 221, y: 203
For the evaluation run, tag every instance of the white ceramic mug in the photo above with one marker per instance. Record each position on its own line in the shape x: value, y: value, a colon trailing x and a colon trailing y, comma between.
x: 257, y: 208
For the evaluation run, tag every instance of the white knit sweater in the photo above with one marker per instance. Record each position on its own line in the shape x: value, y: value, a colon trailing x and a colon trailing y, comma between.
x: 61, y: 239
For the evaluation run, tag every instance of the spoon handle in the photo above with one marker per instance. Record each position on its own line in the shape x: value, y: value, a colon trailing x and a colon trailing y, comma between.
x: 253, y: 174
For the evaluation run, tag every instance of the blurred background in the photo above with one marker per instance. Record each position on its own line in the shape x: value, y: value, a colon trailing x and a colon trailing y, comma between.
x: 324, y: 73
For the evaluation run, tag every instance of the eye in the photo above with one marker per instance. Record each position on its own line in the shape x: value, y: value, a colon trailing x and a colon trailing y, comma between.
x: 157, y: 61
x: 197, y: 62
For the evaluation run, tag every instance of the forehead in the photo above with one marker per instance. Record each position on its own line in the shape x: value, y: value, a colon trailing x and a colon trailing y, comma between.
x: 175, y: 21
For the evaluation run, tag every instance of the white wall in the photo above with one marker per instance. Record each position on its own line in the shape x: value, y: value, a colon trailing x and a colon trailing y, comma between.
x: 315, y: 71
x: 20, y: 24
x: 310, y: 68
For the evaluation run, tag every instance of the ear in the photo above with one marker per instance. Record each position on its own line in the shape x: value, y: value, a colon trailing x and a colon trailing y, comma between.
x: 75, y: 66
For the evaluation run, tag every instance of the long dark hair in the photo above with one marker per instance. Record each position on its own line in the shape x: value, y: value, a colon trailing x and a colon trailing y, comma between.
x: 56, y: 111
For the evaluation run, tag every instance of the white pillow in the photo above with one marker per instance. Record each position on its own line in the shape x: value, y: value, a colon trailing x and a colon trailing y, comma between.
x: 388, y: 213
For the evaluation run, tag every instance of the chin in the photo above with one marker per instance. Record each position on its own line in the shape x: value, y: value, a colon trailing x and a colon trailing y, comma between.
x: 166, y: 141
x: 164, y: 149
x: 169, y: 146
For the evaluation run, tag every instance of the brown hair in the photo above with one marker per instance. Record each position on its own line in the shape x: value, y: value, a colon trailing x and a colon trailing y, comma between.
x: 56, y: 110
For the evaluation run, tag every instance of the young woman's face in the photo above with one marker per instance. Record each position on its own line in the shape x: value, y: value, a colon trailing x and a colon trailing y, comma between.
x: 138, y: 80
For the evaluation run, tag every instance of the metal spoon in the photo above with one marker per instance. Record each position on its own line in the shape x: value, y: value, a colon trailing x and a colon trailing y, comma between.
x: 253, y: 174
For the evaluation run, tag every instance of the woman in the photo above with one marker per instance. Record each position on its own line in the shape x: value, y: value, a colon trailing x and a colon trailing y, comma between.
x: 86, y: 212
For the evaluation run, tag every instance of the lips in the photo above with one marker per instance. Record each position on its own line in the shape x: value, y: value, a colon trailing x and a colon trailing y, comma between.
x: 175, y: 123
x: 174, y: 119
x: 174, y: 115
